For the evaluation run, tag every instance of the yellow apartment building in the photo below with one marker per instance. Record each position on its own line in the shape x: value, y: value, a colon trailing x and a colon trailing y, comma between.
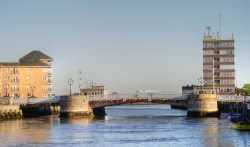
x: 30, y: 77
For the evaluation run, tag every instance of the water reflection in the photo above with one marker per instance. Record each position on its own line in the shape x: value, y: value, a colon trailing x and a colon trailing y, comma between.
x: 77, y: 121
x: 27, y: 130
x: 155, y: 125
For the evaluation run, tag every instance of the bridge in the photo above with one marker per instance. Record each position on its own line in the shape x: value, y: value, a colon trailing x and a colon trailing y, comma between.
x: 118, y: 99
x: 97, y: 103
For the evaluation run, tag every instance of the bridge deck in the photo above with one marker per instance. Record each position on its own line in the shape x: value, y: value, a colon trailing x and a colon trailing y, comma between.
x: 124, y: 98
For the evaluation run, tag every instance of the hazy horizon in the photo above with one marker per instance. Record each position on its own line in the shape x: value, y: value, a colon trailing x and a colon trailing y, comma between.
x: 124, y: 45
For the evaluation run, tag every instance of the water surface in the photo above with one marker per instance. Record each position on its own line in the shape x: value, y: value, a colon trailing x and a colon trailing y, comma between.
x: 134, y: 125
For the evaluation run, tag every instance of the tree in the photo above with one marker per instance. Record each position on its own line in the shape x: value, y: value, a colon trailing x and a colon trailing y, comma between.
x: 246, y: 90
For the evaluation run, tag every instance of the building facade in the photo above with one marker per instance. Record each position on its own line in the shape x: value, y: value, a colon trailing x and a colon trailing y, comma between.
x: 189, y: 89
x: 94, y: 90
x: 30, y: 77
x: 219, y: 65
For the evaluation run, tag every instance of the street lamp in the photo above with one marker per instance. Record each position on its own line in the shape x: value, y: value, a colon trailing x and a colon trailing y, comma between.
x: 6, y: 90
x: 70, y: 82
x: 32, y: 90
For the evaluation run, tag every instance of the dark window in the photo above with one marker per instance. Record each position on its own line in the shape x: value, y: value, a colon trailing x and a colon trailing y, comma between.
x: 217, y: 74
x: 216, y: 66
x: 217, y: 81
x: 216, y: 59
x: 216, y: 52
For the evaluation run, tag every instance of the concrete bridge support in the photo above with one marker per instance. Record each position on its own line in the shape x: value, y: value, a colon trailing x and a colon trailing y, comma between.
x: 35, y: 110
x: 202, y: 105
x: 75, y: 106
x: 8, y: 110
x: 99, y: 111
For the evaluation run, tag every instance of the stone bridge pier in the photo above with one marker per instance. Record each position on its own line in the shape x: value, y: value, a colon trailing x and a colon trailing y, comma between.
x: 202, y: 105
x: 75, y: 106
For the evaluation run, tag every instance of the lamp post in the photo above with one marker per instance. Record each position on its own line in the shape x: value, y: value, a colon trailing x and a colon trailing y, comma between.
x: 32, y: 90
x: 6, y: 90
x: 70, y: 82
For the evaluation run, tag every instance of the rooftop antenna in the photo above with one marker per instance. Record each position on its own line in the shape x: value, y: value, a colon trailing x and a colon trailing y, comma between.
x: 208, y: 30
x: 219, y: 34
x: 80, y: 81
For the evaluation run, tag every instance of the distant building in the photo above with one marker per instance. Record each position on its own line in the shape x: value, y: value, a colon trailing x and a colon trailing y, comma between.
x: 94, y: 90
x: 188, y: 89
x: 148, y: 91
x: 218, y: 62
x: 30, y: 77
x: 194, y: 89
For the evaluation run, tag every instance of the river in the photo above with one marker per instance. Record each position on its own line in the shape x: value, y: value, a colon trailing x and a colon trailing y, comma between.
x: 131, y: 126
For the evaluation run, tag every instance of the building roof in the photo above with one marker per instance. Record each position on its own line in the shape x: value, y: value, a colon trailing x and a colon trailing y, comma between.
x: 34, y: 58
x: 9, y: 63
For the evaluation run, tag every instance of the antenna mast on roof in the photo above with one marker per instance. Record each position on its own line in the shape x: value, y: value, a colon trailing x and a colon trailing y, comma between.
x: 219, y: 34
x: 80, y: 81
x: 208, y: 30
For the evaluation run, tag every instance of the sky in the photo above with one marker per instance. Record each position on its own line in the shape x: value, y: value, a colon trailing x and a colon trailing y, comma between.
x: 126, y: 45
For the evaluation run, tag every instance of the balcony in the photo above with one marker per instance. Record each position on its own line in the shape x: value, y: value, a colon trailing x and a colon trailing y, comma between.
x: 15, y: 81
x: 14, y: 89
x: 14, y: 72
x: 49, y: 81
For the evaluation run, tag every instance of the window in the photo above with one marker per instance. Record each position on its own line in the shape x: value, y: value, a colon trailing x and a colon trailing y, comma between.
x: 15, y: 70
x: 227, y: 67
x: 207, y: 67
x: 208, y: 52
x: 217, y: 74
x: 45, y: 95
x: 216, y: 81
x: 15, y: 80
x: 216, y: 52
x: 207, y: 60
x: 226, y: 52
x: 28, y: 78
x: 6, y: 69
x: 216, y: 44
x: 45, y: 78
x: 28, y: 86
x: 206, y: 75
x: 14, y: 88
x: 7, y: 78
x: 216, y: 59
x: 217, y: 66
x: 45, y: 86
x: 46, y: 70
x: 227, y: 82
x: 226, y: 59
x: 29, y: 69
x: 227, y: 74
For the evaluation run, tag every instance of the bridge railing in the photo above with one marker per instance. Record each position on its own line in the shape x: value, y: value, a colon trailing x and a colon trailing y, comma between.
x: 24, y: 101
x: 135, y: 95
x: 233, y: 98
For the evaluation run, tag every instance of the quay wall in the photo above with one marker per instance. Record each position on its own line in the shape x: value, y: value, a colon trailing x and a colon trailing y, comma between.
x: 10, y: 112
